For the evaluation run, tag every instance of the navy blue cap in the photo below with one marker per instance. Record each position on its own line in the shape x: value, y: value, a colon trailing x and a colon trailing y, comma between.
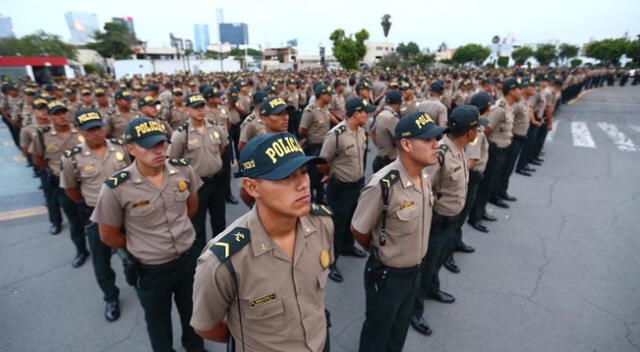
x: 123, y: 94
x: 145, y: 132
x: 394, y: 97
x: 354, y: 105
x: 362, y: 85
x: 274, y: 106
x: 233, y: 93
x: 273, y: 156
x: 404, y: 85
x: 56, y: 106
x: 194, y: 100
x: 481, y: 100
x: 148, y: 100
x: 86, y: 119
x: 324, y: 89
x: 39, y: 103
x: 417, y: 125
x: 437, y: 86
x: 211, y: 92
x: 259, y: 97
x: 509, y: 84
x: 464, y: 118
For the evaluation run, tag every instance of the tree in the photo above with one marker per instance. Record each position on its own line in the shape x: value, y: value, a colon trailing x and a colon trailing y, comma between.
x: 91, y: 68
x: 39, y: 43
x: 115, y: 42
x: 568, y: 51
x: 575, y: 63
x: 545, y: 53
x: 408, y: 51
x: 503, y: 61
x: 390, y: 61
x: 608, y: 51
x: 348, y: 51
x: 633, y: 51
x: 521, y: 55
x: 475, y: 53
x: 422, y: 60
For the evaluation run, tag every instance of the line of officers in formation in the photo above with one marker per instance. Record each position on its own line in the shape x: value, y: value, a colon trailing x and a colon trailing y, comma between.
x: 136, y: 171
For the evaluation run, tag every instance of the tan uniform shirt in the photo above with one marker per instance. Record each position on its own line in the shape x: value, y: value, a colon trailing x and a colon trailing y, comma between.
x: 344, y: 150
x: 447, y: 97
x: 176, y: 116
x: 434, y: 107
x: 539, y: 104
x: 521, y: 118
x: 252, y: 126
x: 234, y: 115
x: 338, y: 106
x: 219, y: 115
x: 449, y: 179
x: 29, y: 133
x: 408, y: 107
x: 479, y: 150
x: 117, y: 122
x: 281, y: 299
x: 245, y: 103
x: 158, y: 227
x: 292, y: 98
x: 501, y: 124
x: 385, y: 130
x: 317, y: 123
x: 82, y: 169
x: 51, y: 145
x: 408, y: 218
x: 201, y: 149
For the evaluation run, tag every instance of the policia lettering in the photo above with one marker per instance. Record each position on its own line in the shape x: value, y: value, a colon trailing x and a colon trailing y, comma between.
x: 282, y: 147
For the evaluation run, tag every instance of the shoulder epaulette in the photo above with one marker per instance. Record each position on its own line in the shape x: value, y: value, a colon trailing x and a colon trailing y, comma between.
x: 179, y: 162
x: 43, y: 130
x: 182, y: 127
x: 72, y: 151
x: 211, y: 121
x: 118, y: 178
x: 390, y: 179
x: 309, y: 108
x: 320, y: 209
x: 340, y: 130
x: 502, y: 104
x: 442, y: 150
x: 231, y: 243
x: 117, y: 141
x: 250, y: 118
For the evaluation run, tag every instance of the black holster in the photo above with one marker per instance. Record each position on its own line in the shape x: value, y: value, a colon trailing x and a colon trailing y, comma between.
x: 376, y: 272
x: 131, y: 267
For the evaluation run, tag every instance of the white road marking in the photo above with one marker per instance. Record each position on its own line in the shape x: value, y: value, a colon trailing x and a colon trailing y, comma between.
x: 635, y: 128
x: 553, y: 131
x: 581, y: 135
x: 617, y: 137
x: 22, y: 213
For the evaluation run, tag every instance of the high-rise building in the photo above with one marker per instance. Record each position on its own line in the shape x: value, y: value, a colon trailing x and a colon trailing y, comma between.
x: 6, y: 27
x: 82, y: 26
x: 234, y: 33
x: 201, y: 36
x: 127, y: 21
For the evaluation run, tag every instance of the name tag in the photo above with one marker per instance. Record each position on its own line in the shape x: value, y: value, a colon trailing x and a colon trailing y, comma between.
x: 262, y: 300
x: 88, y: 167
x: 457, y: 168
x: 350, y: 146
x: 407, y: 205
x: 140, y: 204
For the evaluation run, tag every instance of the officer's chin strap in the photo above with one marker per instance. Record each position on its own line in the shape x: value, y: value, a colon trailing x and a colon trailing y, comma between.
x: 235, y: 280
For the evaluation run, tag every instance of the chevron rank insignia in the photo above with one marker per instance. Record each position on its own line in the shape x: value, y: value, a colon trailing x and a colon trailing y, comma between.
x: 44, y: 129
x: 390, y: 179
x: 179, y: 162
x: 117, y: 141
x: 115, y: 180
x: 231, y: 243
x: 72, y: 151
x: 320, y: 209
x: 341, y: 129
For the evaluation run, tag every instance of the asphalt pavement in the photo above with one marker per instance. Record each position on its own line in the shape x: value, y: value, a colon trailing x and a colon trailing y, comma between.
x: 558, y: 271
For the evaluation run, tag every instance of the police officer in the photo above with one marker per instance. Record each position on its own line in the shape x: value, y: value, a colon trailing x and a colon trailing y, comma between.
x: 392, y: 222
x: 149, y: 108
x: 47, y: 152
x: 262, y: 280
x: 314, y: 125
x: 84, y: 168
x: 433, y: 106
x: 153, y: 199
x: 383, y: 131
x: 409, y: 102
x: 252, y: 125
x: 122, y: 115
x: 499, y: 132
x: 202, y: 142
x: 343, y: 149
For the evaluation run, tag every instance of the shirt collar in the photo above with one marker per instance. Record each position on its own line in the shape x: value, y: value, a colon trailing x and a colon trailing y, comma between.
x: 261, y: 243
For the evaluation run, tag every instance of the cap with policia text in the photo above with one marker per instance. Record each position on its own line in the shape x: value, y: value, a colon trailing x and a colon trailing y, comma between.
x: 354, y: 105
x: 56, y: 106
x: 274, y: 106
x: 324, y: 89
x: 145, y: 132
x: 273, y: 156
x: 87, y: 119
x: 464, y: 118
x: 39, y: 103
x: 148, y: 100
x: 194, y: 100
x: 123, y: 94
x: 418, y: 125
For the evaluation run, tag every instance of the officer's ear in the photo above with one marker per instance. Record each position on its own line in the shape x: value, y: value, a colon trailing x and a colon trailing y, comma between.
x: 251, y: 186
x: 405, y: 145
x: 131, y: 149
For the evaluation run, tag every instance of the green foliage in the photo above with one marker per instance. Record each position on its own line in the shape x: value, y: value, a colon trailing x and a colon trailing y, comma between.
x: 608, y: 51
x: 545, y: 53
x: 408, y: 51
x: 633, y: 51
x: 568, y: 51
x: 115, y: 42
x: 39, y: 43
x: 422, y: 60
x: 91, y: 68
x: 447, y: 61
x: 521, y: 55
x: 390, y: 61
x: 250, y: 52
x: 474, y: 53
x: 503, y: 61
x: 347, y: 50
x: 575, y: 63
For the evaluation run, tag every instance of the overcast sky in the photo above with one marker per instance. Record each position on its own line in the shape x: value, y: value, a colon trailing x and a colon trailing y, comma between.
x: 272, y: 23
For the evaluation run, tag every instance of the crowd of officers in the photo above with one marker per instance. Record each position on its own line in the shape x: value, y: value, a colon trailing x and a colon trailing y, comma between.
x: 136, y: 165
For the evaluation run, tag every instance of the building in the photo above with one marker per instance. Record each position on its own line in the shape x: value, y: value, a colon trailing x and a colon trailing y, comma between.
x: 127, y: 21
x: 6, y: 27
x: 41, y: 69
x: 201, y: 37
x: 445, y: 54
x: 82, y: 26
x: 234, y: 33
x: 376, y: 50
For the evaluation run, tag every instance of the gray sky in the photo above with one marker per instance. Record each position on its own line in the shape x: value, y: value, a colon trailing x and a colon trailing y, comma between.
x: 428, y: 23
